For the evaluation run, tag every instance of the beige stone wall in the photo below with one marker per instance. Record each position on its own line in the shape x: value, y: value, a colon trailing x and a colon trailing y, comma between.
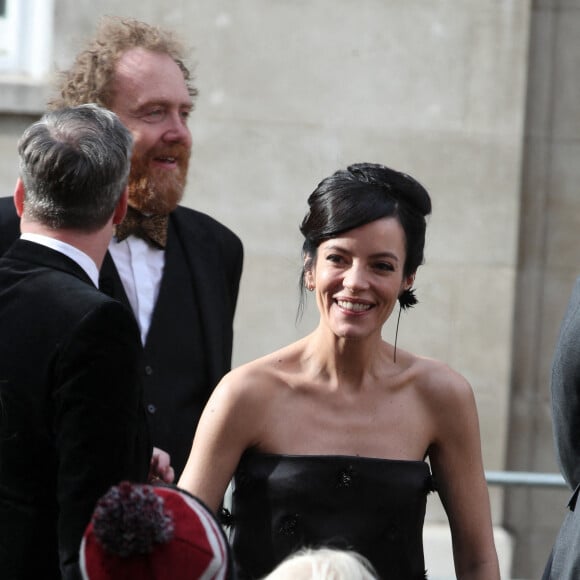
x: 292, y: 90
x: 549, y: 262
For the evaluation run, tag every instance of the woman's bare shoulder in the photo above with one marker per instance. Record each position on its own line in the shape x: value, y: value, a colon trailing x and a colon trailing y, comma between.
x: 261, y: 376
x: 439, y: 382
x: 449, y: 401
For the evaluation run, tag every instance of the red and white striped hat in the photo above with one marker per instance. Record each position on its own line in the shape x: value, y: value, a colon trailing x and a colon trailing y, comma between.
x: 153, y: 532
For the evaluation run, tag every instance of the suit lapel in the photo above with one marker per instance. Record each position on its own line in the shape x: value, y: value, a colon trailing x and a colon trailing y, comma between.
x: 110, y: 283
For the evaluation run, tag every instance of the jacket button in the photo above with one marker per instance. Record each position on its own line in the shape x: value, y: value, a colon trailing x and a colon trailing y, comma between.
x: 151, y: 408
x: 148, y: 370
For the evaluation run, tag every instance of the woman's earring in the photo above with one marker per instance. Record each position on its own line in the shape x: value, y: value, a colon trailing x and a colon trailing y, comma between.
x: 407, y: 299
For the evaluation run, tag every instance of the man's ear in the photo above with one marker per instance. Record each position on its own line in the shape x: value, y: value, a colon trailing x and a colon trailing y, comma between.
x: 19, y: 197
x: 121, y: 209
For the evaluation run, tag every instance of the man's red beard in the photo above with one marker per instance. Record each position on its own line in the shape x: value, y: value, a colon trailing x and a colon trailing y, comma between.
x: 155, y: 190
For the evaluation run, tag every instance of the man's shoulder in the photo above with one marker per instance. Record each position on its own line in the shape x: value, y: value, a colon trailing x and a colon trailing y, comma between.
x: 89, y: 310
x: 196, y: 220
x: 194, y: 216
x: 63, y: 284
x: 58, y: 298
x: 50, y: 273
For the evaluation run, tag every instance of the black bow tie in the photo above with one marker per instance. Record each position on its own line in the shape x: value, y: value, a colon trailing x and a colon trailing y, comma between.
x: 151, y: 228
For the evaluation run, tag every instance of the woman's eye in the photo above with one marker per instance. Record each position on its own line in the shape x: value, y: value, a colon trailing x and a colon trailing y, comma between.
x: 385, y: 266
x: 334, y: 258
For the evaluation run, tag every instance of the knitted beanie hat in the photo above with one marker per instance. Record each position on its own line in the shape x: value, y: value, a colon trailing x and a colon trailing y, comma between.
x: 153, y: 532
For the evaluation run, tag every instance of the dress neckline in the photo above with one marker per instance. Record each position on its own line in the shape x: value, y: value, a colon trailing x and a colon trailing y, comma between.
x: 327, y: 457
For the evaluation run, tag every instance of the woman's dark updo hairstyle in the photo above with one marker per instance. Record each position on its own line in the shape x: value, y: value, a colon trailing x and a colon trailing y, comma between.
x: 358, y: 195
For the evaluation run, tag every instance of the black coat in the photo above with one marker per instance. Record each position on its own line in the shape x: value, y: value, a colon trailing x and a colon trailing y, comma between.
x: 71, y: 410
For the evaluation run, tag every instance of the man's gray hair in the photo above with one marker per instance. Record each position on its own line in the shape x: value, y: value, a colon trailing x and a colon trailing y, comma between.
x: 74, y: 164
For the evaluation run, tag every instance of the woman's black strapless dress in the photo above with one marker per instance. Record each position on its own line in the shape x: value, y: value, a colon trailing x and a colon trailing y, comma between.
x: 374, y: 506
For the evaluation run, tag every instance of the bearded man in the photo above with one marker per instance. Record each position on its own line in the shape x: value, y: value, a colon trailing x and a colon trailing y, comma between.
x: 177, y: 268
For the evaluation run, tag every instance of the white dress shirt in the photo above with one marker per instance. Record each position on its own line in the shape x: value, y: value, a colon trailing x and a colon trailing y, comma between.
x: 78, y: 256
x: 140, y: 268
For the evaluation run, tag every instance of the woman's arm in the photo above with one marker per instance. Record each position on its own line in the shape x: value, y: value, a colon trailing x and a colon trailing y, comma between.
x: 226, y: 429
x: 457, y: 465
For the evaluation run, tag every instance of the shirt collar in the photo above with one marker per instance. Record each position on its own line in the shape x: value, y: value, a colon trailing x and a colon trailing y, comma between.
x: 78, y: 256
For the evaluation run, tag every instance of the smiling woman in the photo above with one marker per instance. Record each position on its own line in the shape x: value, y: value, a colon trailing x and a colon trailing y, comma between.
x: 358, y: 277
x: 327, y: 437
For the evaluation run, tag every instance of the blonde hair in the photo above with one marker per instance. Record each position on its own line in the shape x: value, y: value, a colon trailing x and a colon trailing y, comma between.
x: 324, y: 564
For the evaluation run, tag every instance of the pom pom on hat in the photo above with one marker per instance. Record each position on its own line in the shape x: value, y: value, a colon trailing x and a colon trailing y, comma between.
x: 142, y: 531
x: 131, y: 519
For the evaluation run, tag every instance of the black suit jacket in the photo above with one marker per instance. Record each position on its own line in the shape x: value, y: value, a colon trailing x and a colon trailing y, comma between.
x: 71, y: 415
x: 203, y: 258
x: 189, y: 345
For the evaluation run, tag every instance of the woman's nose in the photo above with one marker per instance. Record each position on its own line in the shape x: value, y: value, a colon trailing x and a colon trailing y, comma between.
x: 355, y: 279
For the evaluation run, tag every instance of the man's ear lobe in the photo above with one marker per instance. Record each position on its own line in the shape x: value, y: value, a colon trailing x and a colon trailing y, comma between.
x: 19, y: 197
